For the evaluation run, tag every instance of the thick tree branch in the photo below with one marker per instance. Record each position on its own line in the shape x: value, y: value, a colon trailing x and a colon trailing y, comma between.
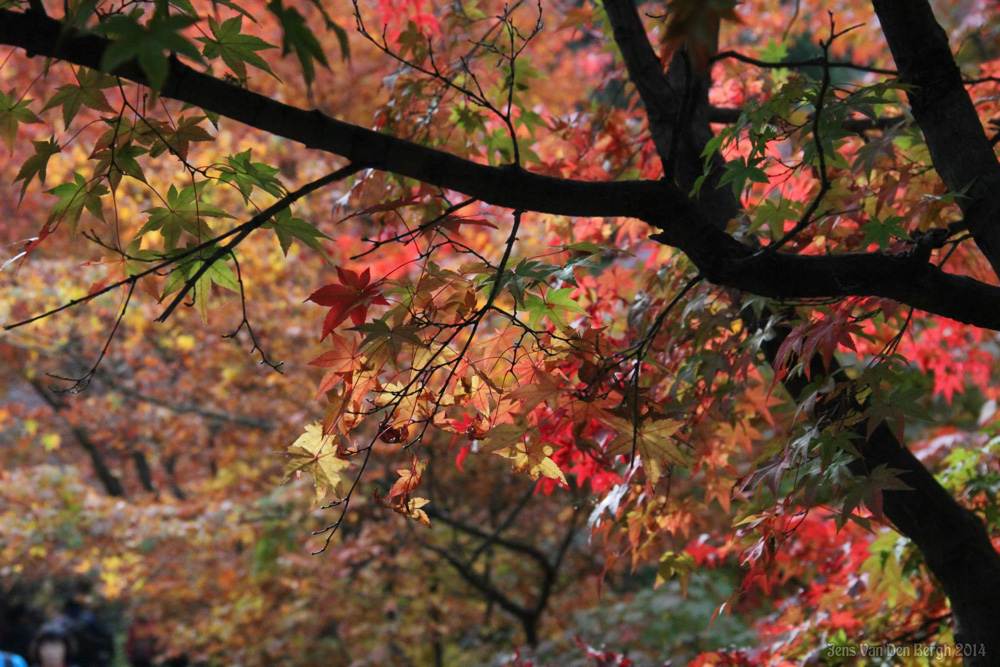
x: 504, y: 186
x: 952, y: 539
x: 676, y: 107
x: 662, y: 102
x: 730, y: 115
x: 958, y: 145
x: 686, y: 224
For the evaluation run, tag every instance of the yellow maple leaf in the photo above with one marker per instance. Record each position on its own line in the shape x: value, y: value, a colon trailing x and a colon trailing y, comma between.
x: 316, y: 453
x: 535, y: 458
x: 653, y: 443
x: 503, y: 436
x: 408, y: 507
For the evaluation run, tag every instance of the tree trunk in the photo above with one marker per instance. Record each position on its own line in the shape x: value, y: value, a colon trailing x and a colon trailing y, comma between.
x: 951, y: 538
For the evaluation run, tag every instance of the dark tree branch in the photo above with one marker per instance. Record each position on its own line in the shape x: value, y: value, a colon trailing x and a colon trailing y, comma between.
x: 941, y: 105
x: 112, y: 485
x: 528, y: 618
x: 142, y: 468
x: 529, y: 550
x: 718, y: 256
x: 662, y: 102
x: 187, y: 408
x: 952, y: 539
x: 730, y: 115
x: 818, y: 61
x: 676, y: 107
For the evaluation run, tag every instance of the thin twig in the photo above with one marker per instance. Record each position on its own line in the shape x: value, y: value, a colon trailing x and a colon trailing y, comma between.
x: 244, y: 230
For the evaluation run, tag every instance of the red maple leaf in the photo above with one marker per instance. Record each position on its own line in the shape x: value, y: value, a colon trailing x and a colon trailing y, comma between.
x: 351, y: 298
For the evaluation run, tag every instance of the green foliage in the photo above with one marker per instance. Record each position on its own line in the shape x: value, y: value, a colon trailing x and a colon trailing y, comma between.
x: 236, y: 49
x: 37, y: 163
x: 151, y: 44
x: 74, y: 198
x: 185, y: 211
x: 298, y: 37
x: 14, y: 110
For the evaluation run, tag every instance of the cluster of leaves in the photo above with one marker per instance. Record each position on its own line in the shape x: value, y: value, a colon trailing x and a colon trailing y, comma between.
x: 455, y: 344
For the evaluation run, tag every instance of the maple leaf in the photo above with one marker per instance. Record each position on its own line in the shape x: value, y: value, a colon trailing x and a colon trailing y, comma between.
x: 74, y: 198
x: 178, y: 139
x: 408, y: 507
x: 504, y: 436
x: 300, y: 38
x: 236, y: 49
x: 672, y: 565
x: 14, y: 111
x: 553, y: 304
x: 453, y: 224
x: 535, y: 458
x: 316, y: 453
x: 351, y: 298
x: 343, y: 410
x: 185, y: 212
x: 87, y: 92
x: 653, y: 443
x: 340, y: 362
x: 240, y: 170
x: 408, y: 480
x: 150, y: 44
x: 547, y: 388
x: 392, y: 205
x: 37, y: 163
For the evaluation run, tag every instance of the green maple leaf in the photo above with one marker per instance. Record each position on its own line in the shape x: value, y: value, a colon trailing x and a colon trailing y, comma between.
x: 185, y: 212
x: 217, y: 273
x: 87, y: 92
x: 13, y: 112
x: 882, y: 232
x: 245, y: 174
x: 149, y: 44
x: 740, y: 170
x: 554, y: 305
x: 37, y: 163
x: 288, y: 227
x: 236, y: 49
x: 299, y: 38
x: 74, y: 198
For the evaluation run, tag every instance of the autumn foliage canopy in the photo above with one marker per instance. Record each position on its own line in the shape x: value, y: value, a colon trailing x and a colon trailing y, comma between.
x: 558, y: 332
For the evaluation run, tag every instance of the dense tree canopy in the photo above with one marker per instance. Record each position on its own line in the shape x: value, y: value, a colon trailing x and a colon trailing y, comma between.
x: 587, y: 331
